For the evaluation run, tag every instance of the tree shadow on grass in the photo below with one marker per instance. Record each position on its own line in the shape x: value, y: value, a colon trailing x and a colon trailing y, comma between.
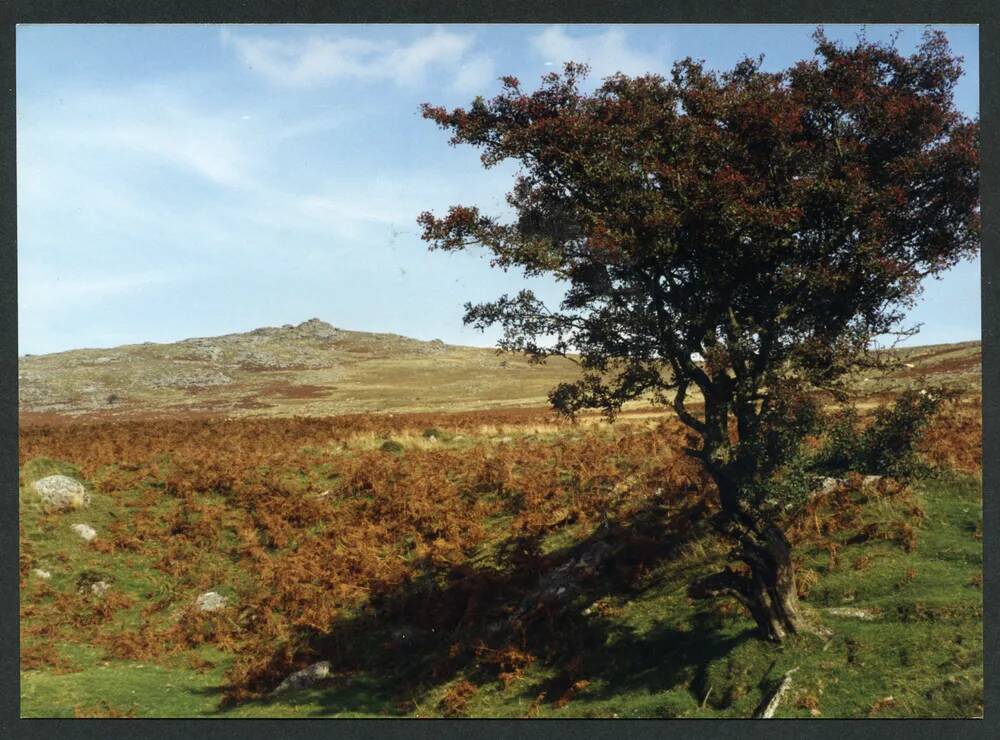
x: 660, y: 659
x: 489, y: 620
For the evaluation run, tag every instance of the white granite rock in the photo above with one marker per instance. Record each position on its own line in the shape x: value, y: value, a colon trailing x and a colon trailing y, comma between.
x: 85, y: 531
x: 210, y: 601
x: 99, y: 588
x: 61, y: 492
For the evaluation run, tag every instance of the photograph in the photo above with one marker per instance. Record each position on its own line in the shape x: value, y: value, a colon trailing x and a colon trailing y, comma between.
x: 499, y: 370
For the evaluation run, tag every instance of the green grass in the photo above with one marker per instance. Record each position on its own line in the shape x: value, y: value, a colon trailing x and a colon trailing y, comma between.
x: 647, y: 652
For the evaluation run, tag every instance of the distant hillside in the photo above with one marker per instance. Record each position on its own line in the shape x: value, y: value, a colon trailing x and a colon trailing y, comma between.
x: 317, y: 369
x: 313, y: 368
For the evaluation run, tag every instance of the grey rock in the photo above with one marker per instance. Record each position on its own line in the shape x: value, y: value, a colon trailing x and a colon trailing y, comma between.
x: 317, y: 329
x: 99, y: 588
x: 85, y: 531
x: 561, y: 585
x: 94, y: 582
x: 62, y: 493
x: 210, y: 601
x: 43, y: 574
x: 306, y: 677
x: 826, y: 485
x: 853, y: 613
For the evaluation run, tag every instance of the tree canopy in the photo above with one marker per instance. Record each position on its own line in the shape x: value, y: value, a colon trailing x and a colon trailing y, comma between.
x: 756, y: 220
x: 746, y: 233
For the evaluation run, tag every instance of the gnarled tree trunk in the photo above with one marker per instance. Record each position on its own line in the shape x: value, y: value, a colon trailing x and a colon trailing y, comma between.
x: 768, y: 590
x: 767, y: 587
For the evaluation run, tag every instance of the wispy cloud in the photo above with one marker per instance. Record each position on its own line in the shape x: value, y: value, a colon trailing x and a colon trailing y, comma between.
x: 310, y: 126
x: 319, y: 60
x: 606, y: 53
x: 149, y: 122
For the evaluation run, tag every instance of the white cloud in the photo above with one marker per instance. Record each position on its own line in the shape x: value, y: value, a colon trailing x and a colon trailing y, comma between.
x: 474, y: 74
x: 606, y: 53
x: 321, y: 60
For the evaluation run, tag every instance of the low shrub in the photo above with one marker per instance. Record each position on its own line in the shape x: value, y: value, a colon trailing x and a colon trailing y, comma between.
x: 391, y: 445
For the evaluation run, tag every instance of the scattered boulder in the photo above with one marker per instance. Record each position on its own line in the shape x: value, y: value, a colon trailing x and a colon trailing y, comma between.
x: 210, y: 601
x: 100, y: 588
x: 62, y: 493
x: 43, y: 574
x: 306, y: 677
x: 93, y: 582
x: 85, y: 531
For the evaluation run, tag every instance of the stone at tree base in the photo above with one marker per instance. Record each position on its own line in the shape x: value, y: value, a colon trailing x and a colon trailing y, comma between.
x: 62, y: 493
x: 85, y: 531
x: 306, y: 677
x: 826, y: 484
x: 210, y: 601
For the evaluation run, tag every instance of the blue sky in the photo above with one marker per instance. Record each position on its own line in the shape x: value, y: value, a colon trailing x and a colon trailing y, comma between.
x: 179, y: 181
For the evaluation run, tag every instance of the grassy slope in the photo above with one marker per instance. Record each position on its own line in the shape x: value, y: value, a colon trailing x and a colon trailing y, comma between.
x: 924, y: 649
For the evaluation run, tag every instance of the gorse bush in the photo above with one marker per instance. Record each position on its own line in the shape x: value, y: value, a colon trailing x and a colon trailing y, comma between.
x: 841, y: 449
x: 888, y: 444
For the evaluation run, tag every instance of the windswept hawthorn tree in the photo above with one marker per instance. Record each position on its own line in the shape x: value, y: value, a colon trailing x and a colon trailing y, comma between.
x: 745, y: 234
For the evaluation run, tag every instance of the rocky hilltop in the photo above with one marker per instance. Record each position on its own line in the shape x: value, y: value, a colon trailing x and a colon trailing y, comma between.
x: 310, y: 368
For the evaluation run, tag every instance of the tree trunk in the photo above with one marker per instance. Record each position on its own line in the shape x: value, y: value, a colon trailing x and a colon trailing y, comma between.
x: 768, y: 591
x: 774, y: 601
